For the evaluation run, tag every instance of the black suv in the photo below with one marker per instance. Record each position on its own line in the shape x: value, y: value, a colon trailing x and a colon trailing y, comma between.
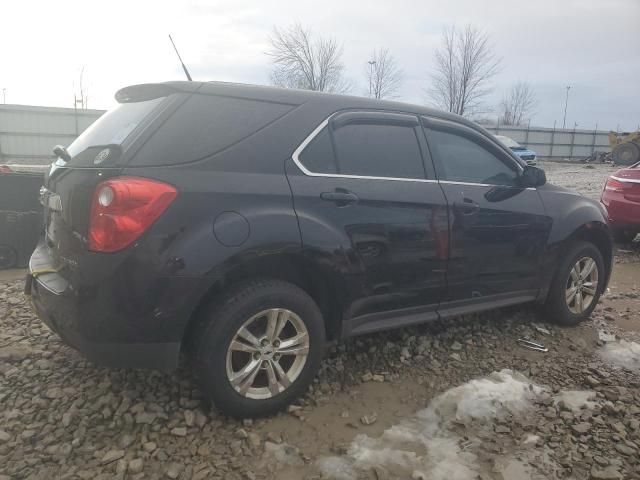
x: 248, y: 225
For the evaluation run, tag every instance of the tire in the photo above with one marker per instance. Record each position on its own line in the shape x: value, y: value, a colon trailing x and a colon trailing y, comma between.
x: 557, y: 306
x: 626, y: 153
x: 243, y: 308
x: 624, y: 236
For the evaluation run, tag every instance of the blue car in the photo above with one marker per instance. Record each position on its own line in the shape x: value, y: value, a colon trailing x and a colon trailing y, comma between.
x: 524, y: 153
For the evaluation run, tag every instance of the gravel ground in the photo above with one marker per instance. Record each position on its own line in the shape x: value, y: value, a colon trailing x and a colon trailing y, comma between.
x: 587, y: 179
x: 431, y: 402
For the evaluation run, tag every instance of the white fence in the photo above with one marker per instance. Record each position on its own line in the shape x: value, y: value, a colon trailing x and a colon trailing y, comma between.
x: 29, y: 133
x: 555, y: 143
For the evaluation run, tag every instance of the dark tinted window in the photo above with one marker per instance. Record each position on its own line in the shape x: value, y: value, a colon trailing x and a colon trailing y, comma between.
x: 378, y: 151
x: 462, y: 160
x: 114, y: 126
x: 318, y: 157
x: 204, y: 125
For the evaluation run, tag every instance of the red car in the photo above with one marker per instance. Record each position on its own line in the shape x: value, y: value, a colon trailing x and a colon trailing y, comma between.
x: 621, y: 197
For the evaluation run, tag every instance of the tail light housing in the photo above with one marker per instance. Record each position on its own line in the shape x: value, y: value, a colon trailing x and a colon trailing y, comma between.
x: 613, y: 185
x: 123, y: 208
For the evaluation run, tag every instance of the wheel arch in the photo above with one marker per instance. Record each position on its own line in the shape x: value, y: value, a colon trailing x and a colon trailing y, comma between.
x: 594, y: 232
x: 324, y: 287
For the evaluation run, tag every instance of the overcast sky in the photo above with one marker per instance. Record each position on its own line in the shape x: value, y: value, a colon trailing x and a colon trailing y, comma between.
x: 591, y: 45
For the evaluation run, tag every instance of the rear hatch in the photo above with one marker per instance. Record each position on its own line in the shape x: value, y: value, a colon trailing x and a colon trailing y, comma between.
x: 101, y: 152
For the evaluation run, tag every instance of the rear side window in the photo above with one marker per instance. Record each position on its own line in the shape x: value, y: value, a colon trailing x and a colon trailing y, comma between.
x: 318, y: 156
x: 113, y: 127
x: 378, y: 150
x: 460, y: 159
x: 205, y: 125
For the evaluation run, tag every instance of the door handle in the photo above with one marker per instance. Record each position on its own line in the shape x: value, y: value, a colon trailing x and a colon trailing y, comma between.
x: 340, y: 198
x: 466, y: 206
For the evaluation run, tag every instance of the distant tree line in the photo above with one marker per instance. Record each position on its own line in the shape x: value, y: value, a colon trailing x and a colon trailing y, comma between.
x: 465, y: 67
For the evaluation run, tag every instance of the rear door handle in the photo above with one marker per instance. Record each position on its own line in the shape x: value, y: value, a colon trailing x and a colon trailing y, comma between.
x: 340, y: 198
x: 466, y: 206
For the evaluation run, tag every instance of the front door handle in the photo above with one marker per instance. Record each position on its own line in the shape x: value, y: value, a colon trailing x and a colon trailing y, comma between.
x: 341, y: 198
x: 466, y: 206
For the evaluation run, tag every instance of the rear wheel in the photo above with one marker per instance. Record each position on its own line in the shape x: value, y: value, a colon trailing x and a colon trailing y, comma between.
x: 259, y: 347
x: 626, y: 154
x: 577, y: 285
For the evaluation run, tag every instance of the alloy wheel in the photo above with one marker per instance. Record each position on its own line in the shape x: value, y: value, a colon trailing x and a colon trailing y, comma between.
x: 582, y: 285
x: 267, y: 353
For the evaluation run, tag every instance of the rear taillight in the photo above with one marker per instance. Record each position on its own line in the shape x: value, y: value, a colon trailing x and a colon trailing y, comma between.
x: 614, y: 185
x: 123, y: 208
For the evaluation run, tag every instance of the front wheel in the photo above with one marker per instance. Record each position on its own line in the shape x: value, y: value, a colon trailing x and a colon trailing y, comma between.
x: 577, y: 286
x: 259, y: 347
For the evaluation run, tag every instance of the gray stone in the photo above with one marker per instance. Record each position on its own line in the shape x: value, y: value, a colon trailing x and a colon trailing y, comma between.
x: 14, y: 353
x: 625, y: 449
x: 581, y: 428
x: 145, y: 418
x: 174, y: 471
x: 189, y: 418
x: 179, y: 431
x: 112, y: 456
x: 149, y: 447
x: 126, y: 440
x: 136, y: 465
x: 609, y: 473
x: 4, y: 436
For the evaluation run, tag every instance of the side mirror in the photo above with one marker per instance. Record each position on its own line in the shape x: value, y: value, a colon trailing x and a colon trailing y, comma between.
x: 533, y: 177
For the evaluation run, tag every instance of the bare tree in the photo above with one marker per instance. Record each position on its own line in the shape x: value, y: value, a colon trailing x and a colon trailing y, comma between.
x: 518, y: 104
x: 383, y: 75
x: 465, y: 64
x: 303, y: 60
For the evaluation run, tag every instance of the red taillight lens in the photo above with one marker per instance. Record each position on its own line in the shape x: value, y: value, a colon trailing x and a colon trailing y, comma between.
x: 614, y: 185
x: 123, y: 208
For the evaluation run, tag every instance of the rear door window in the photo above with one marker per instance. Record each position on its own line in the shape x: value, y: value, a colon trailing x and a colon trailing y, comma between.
x: 205, y: 125
x: 378, y: 150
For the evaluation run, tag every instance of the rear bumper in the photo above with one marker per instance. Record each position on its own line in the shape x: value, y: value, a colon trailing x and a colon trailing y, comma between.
x: 621, y: 213
x: 110, y: 325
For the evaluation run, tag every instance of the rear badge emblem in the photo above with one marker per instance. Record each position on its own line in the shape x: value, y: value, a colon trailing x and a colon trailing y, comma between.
x: 101, y: 156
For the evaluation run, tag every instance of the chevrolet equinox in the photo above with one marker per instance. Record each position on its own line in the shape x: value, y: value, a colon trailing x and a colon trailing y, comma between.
x: 246, y: 226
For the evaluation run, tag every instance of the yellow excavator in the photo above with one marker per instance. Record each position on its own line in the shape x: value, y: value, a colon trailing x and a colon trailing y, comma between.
x: 625, y: 147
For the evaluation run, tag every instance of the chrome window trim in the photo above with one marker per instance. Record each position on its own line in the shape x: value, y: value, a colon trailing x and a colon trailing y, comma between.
x: 314, y: 133
x: 625, y: 180
x: 296, y: 159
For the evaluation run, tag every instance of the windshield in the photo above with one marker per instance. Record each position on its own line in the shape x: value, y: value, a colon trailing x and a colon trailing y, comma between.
x: 508, y: 142
x: 114, y: 126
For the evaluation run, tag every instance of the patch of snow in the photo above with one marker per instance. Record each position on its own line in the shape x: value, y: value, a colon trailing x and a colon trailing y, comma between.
x: 425, y: 445
x: 284, y: 453
x: 623, y: 353
x: 576, y: 400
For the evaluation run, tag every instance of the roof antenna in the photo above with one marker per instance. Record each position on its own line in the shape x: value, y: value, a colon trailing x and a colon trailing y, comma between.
x: 186, y: 72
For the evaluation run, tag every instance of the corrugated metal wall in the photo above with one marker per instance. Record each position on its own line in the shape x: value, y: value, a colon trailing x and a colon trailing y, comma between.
x: 556, y: 143
x: 28, y: 133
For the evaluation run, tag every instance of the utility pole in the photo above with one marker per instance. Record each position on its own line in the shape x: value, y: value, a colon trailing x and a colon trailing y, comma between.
x: 566, y: 101
x: 371, y: 64
x: 4, y: 95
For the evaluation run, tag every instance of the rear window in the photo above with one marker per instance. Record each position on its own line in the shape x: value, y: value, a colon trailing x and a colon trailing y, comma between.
x: 113, y: 127
x: 205, y: 125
